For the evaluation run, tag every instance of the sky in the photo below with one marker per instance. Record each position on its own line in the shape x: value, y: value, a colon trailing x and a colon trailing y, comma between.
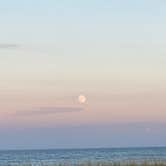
x: 112, y: 52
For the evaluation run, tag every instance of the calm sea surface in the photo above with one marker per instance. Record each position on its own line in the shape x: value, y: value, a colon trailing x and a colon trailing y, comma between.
x: 74, y: 156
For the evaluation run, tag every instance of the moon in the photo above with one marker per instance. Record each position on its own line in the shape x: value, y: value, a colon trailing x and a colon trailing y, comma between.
x: 82, y: 99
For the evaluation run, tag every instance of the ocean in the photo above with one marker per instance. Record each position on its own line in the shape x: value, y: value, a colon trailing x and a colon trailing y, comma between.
x: 74, y: 156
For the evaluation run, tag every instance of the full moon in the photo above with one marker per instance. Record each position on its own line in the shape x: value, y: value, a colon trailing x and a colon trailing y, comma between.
x: 81, y: 99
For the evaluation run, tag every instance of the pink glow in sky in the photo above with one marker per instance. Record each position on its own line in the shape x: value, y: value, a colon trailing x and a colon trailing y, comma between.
x: 113, y: 54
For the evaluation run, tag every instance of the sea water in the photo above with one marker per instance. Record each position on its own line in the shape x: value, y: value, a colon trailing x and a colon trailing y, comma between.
x: 74, y: 156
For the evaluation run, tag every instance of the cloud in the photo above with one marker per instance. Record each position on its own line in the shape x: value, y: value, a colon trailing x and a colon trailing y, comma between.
x: 8, y: 46
x: 48, y: 110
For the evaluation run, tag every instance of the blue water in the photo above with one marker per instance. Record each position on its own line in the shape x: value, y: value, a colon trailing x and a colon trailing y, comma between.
x: 74, y: 156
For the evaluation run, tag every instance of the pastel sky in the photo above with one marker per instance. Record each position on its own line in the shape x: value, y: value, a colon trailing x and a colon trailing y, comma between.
x: 111, y: 51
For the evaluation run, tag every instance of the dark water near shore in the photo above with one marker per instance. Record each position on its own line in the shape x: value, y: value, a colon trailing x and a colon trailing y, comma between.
x: 73, y: 156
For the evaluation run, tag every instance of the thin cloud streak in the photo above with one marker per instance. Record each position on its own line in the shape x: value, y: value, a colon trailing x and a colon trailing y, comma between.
x: 48, y: 110
x: 8, y: 46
